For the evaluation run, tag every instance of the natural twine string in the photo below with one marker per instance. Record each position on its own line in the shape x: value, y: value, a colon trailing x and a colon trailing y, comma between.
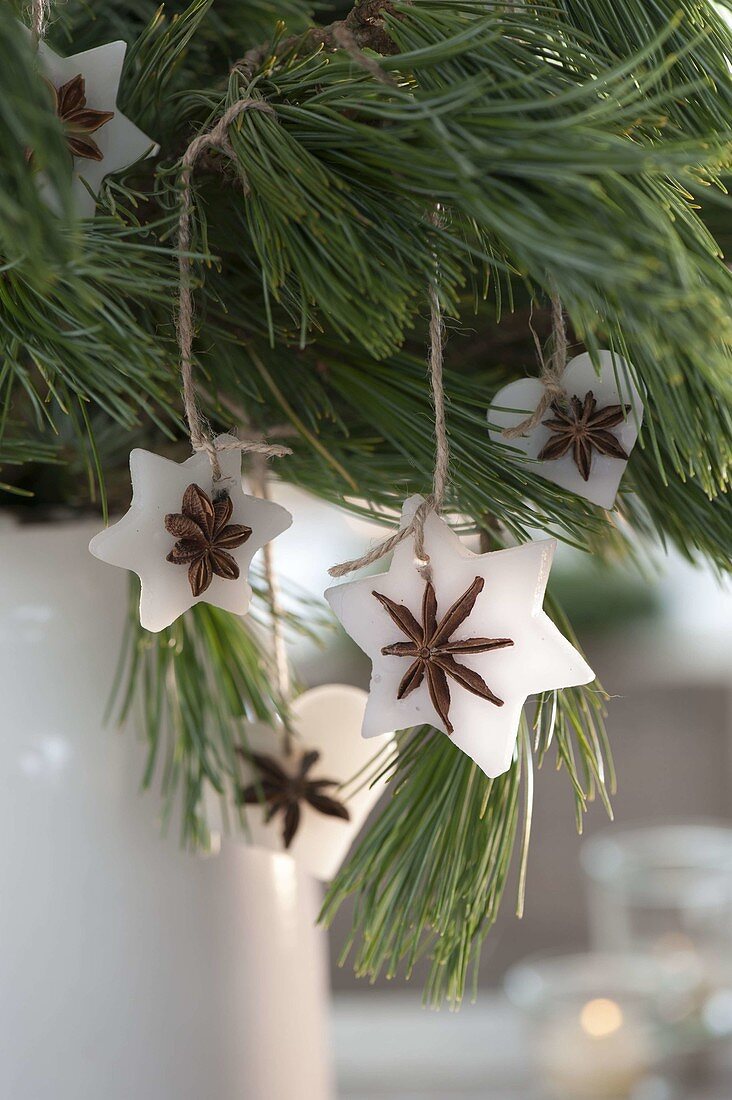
x: 434, y: 502
x: 201, y: 438
x: 283, y: 681
x: 218, y: 138
x: 40, y: 11
x: 345, y: 38
x: 552, y: 370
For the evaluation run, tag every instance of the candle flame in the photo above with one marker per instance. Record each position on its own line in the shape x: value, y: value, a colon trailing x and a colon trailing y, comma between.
x: 601, y: 1017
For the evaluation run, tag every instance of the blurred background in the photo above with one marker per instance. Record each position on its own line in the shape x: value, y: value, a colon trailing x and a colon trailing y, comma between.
x: 617, y: 982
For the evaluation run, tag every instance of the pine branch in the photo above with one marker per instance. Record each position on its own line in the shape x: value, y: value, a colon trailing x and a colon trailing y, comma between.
x: 375, y: 420
x: 362, y: 29
x: 336, y: 239
x: 32, y: 238
x: 195, y: 687
x: 429, y: 876
x: 96, y: 334
x: 18, y: 451
x: 574, y: 144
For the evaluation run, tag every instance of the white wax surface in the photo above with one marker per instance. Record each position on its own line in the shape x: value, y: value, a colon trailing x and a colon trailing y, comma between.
x: 328, y: 719
x: 140, y: 542
x: 510, y: 606
x: 613, y: 386
x: 119, y: 140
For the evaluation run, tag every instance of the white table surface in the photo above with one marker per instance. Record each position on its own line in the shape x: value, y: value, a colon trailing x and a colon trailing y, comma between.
x: 387, y: 1046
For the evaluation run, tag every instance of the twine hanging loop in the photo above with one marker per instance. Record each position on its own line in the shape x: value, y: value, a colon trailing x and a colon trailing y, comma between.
x: 552, y: 370
x: 40, y: 11
x: 201, y: 438
x: 435, y: 500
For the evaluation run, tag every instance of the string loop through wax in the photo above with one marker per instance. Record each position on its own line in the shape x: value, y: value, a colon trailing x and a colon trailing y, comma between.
x: 435, y: 500
x: 552, y: 370
x: 201, y: 439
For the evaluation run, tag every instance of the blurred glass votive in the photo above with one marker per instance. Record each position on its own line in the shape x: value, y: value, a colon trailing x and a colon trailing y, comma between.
x: 666, y: 892
x: 597, y: 1025
x: 665, y: 889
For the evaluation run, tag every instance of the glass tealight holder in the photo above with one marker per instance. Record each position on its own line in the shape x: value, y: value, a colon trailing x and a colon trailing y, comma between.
x: 598, y: 1023
x: 666, y: 892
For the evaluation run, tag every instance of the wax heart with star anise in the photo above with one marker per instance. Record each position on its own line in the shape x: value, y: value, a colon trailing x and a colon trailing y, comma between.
x: 584, y: 440
x: 308, y: 803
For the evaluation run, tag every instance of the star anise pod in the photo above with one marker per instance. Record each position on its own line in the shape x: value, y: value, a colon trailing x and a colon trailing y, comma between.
x: 78, y: 120
x: 584, y: 428
x: 433, y: 648
x: 205, y: 537
x: 284, y: 793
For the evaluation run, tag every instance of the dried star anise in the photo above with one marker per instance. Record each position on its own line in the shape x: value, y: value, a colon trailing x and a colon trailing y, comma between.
x: 205, y: 537
x: 433, y: 648
x: 78, y: 120
x: 584, y: 428
x: 284, y: 793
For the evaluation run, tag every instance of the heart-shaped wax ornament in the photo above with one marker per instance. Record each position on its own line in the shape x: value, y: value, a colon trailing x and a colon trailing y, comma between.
x: 593, y: 472
x: 328, y: 746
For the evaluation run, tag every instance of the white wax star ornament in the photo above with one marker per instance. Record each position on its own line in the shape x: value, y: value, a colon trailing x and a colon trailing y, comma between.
x: 119, y: 141
x: 612, y: 386
x: 141, y: 542
x: 507, y: 607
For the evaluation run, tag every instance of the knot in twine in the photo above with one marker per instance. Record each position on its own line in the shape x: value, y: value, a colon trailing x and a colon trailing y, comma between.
x: 201, y: 439
x: 433, y: 502
x: 551, y: 372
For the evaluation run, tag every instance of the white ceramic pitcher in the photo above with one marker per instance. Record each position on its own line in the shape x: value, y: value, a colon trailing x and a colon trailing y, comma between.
x: 128, y: 968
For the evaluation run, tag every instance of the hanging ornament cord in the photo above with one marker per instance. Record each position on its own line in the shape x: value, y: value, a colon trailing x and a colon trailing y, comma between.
x: 201, y: 438
x: 434, y: 502
x: 552, y: 370
x: 283, y: 682
x: 39, y: 13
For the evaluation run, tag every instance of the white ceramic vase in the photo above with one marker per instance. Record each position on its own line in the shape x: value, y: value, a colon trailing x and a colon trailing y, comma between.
x: 127, y: 968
